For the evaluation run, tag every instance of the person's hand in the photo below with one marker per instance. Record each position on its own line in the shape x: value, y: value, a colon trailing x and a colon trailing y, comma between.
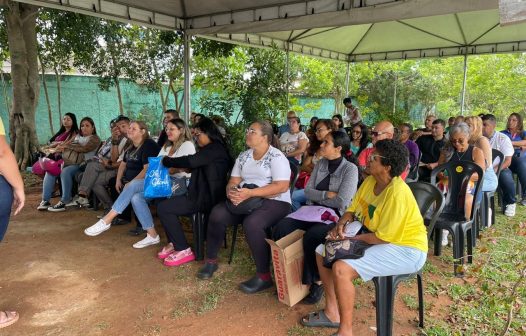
x: 19, y: 199
x: 118, y: 185
x: 115, y: 133
x: 331, y: 194
x: 240, y: 194
x: 337, y: 232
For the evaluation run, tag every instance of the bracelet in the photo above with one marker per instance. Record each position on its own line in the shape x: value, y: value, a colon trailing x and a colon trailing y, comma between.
x: 115, y: 142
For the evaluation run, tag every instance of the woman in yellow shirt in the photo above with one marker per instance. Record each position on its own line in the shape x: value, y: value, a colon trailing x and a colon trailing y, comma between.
x: 386, y: 207
x: 11, y: 189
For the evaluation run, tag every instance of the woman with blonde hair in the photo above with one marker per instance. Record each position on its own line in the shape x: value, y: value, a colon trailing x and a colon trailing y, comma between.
x: 478, y: 140
x: 130, y: 182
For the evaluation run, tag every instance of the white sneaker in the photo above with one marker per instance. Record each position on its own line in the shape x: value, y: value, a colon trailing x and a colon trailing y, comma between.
x: 97, y: 228
x: 149, y: 240
x: 510, y: 210
x: 445, y: 233
x: 43, y: 205
x: 73, y: 202
x: 60, y: 206
x: 82, y: 201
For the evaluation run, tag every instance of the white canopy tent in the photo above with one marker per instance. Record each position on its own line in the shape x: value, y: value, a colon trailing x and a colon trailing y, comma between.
x: 344, y: 30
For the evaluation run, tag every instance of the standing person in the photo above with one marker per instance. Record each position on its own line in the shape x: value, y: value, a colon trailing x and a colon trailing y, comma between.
x: 359, y: 139
x: 352, y: 114
x: 12, y: 191
x: 209, y: 167
x: 294, y: 142
x: 431, y: 146
x: 74, y: 152
x: 267, y: 170
x: 515, y: 131
x: 168, y: 115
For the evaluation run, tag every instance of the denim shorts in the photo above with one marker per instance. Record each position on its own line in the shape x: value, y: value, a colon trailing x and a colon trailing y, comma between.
x: 385, y: 260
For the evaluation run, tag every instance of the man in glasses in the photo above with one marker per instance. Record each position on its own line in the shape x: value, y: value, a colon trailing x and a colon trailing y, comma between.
x: 286, y: 127
x: 430, y: 146
x: 502, y: 143
x: 382, y: 130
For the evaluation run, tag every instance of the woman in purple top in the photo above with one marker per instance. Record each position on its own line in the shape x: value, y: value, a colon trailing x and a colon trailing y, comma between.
x: 515, y: 131
x: 406, y: 130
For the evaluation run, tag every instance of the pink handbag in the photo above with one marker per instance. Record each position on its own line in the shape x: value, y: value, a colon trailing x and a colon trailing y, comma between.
x: 51, y: 166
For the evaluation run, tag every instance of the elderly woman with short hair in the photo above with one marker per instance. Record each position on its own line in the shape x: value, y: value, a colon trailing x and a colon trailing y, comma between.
x: 386, y: 207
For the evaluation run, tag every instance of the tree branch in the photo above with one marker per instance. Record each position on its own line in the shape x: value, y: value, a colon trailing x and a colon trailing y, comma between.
x: 513, y: 295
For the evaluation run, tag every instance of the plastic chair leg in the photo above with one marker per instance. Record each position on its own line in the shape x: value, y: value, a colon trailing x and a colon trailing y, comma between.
x: 420, y: 300
x: 233, y: 244
x: 198, y: 227
x: 458, y: 251
x: 384, y: 305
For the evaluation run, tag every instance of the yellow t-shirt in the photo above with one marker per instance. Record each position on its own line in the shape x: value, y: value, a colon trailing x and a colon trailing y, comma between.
x: 393, y: 215
x: 2, y: 130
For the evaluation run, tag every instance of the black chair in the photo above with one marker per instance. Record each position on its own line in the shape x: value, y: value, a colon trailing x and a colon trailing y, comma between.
x: 294, y: 173
x: 453, y: 217
x: 199, y: 222
x: 412, y: 176
x: 488, y: 197
x: 426, y: 196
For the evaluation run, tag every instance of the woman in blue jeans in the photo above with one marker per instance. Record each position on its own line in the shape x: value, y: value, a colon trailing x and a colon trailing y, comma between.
x: 12, y: 191
x: 137, y: 157
x: 515, y: 131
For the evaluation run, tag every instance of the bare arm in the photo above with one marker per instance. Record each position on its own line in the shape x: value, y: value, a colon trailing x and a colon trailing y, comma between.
x: 306, y: 164
x: 302, y: 147
x: 9, y: 169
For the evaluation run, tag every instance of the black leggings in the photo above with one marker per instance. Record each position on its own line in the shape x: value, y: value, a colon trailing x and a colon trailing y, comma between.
x: 315, y: 234
x: 169, y: 211
x: 255, y: 226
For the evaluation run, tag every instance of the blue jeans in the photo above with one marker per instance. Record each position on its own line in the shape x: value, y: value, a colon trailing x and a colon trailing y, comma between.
x: 298, y: 199
x: 518, y: 166
x: 6, y: 201
x: 134, y: 193
x: 66, y: 179
x: 507, y: 185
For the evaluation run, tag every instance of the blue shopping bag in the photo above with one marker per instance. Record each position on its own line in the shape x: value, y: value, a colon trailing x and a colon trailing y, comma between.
x: 157, y: 182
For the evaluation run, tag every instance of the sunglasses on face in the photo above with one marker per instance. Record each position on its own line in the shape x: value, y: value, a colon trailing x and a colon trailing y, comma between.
x: 459, y: 141
x: 373, y: 157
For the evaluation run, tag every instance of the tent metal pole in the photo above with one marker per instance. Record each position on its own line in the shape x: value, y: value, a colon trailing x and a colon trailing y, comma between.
x: 463, y: 97
x: 287, y: 76
x: 347, y: 79
x: 187, y: 88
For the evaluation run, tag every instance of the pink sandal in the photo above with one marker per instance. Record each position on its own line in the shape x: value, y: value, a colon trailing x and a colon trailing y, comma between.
x: 179, y: 257
x: 11, y: 317
x: 165, y: 253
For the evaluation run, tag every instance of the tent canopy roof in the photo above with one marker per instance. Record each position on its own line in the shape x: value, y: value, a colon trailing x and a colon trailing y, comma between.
x: 345, y: 30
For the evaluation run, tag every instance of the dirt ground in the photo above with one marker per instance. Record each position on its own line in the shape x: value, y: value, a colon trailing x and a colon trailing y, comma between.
x: 63, y: 282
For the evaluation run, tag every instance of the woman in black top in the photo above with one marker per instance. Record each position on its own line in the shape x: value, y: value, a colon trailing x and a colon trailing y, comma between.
x: 209, y: 167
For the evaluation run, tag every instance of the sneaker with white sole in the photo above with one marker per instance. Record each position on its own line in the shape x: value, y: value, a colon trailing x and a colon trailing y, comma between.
x: 97, y: 228
x: 82, y: 201
x: 43, y: 205
x: 60, y: 206
x: 149, y: 240
x: 73, y: 202
x: 179, y: 257
x: 510, y: 210
x: 445, y: 233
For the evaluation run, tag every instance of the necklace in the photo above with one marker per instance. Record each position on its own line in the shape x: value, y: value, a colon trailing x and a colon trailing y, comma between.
x: 461, y: 156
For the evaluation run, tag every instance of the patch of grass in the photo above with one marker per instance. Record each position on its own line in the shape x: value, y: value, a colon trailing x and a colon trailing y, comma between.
x: 494, y: 286
x: 102, y: 325
x: 298, y: 330
x: 410, y: 301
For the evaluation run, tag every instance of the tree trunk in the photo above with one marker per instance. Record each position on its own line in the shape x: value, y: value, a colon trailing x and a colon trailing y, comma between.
x: 21, y: 37
x: 4, y: 92
x: 58, y: 78
x: 49, y: 111
x: 119, y: 95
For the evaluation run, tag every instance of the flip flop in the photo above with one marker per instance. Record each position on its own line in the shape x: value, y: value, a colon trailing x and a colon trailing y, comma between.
x: 318, y: 319
x: 10, y: 320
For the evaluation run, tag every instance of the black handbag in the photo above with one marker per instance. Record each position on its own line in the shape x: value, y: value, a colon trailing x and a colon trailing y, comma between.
x: 247, y: 206
x: 343, y: 249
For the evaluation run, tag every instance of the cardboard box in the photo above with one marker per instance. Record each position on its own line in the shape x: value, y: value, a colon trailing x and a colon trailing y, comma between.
x: 287, y: 258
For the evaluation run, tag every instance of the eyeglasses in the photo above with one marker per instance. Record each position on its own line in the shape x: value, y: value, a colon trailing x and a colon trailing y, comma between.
x: 375, y: 133
x: 250, y: 131
x: 373, y: 157
x: 459, y: 141
x: 319, y: 129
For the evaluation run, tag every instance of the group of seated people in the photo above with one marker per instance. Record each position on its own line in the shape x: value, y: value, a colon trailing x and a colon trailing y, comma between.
x: 345, y: 177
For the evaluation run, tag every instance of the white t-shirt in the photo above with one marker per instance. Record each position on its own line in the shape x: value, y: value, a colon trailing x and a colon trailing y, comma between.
x: 290, y: 142
x: 186, y: 148
x: 273, y: 166
x: 502, y: 143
